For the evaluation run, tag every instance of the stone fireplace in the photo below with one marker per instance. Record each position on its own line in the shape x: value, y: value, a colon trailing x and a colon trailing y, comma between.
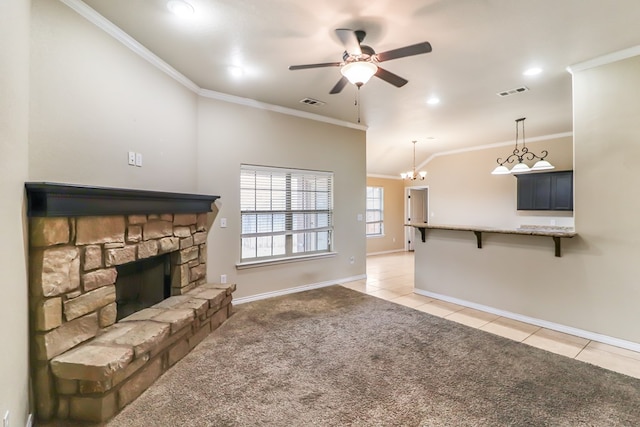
x: 118, y: 293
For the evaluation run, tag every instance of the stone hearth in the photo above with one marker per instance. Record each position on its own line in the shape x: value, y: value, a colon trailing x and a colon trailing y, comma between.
x: 86, y: 366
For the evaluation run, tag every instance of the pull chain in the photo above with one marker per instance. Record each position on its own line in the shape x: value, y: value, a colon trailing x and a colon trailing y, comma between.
x: 357, y: 102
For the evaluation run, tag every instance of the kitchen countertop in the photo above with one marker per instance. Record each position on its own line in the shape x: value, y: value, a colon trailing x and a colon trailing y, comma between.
x: 555, y: 232
x: 531, y: 230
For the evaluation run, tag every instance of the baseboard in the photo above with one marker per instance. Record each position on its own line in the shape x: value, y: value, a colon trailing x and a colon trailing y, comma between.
x: 386, y: 252
x: 605, y: 339
x: 242, y: 300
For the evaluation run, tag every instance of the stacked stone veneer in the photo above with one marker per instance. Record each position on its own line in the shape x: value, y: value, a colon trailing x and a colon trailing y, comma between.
x: 85, y: 366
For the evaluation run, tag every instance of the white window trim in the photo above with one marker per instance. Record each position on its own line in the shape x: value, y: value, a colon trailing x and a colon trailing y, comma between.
x: 298, y: 258
x: 381, y: 210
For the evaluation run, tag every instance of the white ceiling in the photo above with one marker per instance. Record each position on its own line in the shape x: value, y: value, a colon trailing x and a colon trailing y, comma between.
x: 480, y: 47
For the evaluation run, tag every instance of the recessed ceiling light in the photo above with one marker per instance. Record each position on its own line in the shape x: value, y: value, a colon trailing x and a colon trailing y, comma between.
x: 433, y: 100
x: 180, y: 8
x: 236, y: 71
x: 532, y: 71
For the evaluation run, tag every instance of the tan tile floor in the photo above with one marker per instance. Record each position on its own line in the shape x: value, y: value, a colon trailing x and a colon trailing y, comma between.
x: 390, y: 277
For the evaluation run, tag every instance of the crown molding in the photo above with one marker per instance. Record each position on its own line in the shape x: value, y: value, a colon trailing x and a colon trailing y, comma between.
x: 487, y: 146
x: 605, y: 59
x: 212, y: 94
x: 114, y: 31
x: 374, y: 175
x: 117, y: 33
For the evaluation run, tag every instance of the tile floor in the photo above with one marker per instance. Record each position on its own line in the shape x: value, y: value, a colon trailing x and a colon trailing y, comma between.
x: 391, y: 277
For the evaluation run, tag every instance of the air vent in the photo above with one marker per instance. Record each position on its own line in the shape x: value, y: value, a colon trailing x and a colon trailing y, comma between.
x: 513, y: 91
x: 311, y: 101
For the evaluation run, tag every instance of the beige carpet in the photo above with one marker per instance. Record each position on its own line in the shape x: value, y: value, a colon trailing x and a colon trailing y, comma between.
x: 336, y: 357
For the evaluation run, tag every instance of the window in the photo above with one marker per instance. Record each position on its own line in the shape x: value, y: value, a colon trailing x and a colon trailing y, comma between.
x: 375, y: 208
x: 285, y: 213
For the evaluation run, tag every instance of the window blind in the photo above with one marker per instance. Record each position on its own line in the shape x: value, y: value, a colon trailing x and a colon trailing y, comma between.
x: 285, y: 212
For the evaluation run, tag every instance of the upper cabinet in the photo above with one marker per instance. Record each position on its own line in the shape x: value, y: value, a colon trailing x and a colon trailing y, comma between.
x: 545, y: 191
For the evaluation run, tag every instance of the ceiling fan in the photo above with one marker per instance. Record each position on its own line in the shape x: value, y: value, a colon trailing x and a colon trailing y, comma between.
x: 360, y: 62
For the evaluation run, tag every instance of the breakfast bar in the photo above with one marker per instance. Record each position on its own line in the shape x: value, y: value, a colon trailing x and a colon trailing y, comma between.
x: 556, y: 233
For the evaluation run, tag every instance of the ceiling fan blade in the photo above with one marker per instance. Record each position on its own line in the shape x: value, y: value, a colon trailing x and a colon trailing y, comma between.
x: 324, y: 64
x: 350, y: 41
x: 389, y: 77
x: 339, y: 86
x: 414, y: 49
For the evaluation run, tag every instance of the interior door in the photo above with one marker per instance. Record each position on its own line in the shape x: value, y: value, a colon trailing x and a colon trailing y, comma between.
x: 417, y: 210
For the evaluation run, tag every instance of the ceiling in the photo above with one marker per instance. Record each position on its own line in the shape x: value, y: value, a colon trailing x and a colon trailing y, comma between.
x: 480, y: 48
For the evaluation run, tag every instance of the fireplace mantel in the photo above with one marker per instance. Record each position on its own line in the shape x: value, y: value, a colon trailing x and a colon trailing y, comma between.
x: 67, y: 200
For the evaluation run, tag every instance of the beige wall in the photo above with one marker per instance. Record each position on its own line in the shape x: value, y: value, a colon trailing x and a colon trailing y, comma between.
x: 393, y: 239
x: 594, y: 285
x: 231, y: 134
x: 462, y: 190
x: 14, y: 118
x: 93, y: 100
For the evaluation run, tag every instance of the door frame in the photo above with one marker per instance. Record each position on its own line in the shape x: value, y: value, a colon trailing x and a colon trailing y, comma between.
x: 409, y: 234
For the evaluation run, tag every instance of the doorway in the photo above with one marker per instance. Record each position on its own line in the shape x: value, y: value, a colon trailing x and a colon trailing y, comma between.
x: 416, y: 210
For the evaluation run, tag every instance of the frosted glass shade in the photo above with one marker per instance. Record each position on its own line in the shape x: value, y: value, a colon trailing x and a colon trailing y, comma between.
x: 519, y: 168
x: 501, y: 170
x: 359, y: 72
x: 542, y: 165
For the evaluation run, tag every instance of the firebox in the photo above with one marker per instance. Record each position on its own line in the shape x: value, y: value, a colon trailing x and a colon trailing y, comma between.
x: 141, y: 284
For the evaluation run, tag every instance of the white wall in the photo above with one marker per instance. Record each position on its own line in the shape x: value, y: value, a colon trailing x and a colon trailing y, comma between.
x: 594, y: 285
x: 14, y: 118
x: 93, y: 100
x: 231, y: 134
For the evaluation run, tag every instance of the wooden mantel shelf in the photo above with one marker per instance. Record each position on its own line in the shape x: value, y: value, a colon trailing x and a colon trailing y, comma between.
x: 47, y: 199
x: 556, y: 233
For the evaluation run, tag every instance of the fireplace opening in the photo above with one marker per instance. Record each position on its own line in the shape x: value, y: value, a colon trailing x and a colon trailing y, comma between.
x: 141, y: 284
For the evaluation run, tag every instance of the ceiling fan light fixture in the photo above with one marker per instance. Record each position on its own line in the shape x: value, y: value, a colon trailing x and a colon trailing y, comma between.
x: 180, y: 8
x: 359, y: 72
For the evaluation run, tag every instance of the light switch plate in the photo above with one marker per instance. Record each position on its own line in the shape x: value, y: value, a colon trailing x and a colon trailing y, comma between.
x: 139, y: 159
x: 223, y: 222
x: 132, y: 158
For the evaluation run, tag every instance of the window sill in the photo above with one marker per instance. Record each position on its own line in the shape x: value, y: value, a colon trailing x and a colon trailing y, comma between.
x: 266, y: 262
x: 375, y: 236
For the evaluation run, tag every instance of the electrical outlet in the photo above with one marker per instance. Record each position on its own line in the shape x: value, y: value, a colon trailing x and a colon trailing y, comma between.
x: 139, y: 160
x: 352, y: 260
x: 223, y: 222
x: 132, y: 158
x: 223, y: 278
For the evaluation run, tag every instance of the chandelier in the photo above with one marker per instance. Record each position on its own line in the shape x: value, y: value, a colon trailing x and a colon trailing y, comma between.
x: 412, y: 174
x: 522, y: 154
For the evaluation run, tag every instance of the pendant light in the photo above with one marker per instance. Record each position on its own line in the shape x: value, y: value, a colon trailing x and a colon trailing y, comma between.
x: 412, y: 174
x: 522, y: 154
